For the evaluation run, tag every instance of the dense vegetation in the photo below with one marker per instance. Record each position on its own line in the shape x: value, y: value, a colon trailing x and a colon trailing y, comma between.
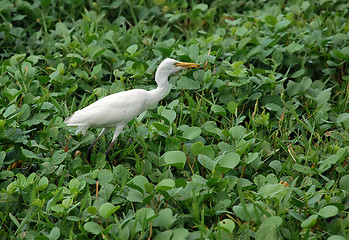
x: 254, y: 144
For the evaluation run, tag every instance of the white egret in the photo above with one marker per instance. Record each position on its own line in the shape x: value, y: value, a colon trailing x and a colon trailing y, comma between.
x: 116, y: 110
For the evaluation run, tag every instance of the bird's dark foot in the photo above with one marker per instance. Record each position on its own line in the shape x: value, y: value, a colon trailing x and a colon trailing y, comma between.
x: 89, y: 152
x: 107, y: 157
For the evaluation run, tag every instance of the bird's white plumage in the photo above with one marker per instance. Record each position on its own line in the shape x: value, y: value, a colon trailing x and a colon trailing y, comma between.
x: 118, y: 109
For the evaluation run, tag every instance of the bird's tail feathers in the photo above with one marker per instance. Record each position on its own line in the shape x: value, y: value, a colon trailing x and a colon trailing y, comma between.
x: 81, y: 129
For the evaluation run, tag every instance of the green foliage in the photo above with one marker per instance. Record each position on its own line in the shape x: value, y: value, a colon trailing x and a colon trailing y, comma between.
x: 254, y: 144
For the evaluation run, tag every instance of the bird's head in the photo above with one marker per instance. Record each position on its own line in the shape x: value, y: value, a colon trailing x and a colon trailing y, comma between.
x: 169, y: 66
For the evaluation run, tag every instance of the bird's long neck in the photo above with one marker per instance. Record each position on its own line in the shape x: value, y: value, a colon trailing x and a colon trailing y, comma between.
x: 160, y: 92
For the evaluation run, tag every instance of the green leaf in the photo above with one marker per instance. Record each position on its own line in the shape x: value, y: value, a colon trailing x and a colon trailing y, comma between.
x: 187, y: 83
x: 237, y: 132
x: 145, y: 214
x: 344, y: 183
x: 170, y: 115
x: 54, y: 234
x: 161, y: 127
x: 323, y: 96
x: 298, y: 88
x: 42, y: 184
x: 227, y: 225
x: 175, y: 158
x: 294, y: 47
x: 59, y: 156
x: 193, y: 51
x: 93, y: 228
x: 191, y: 132
x: 92, y: 210
x: 24, y: 112
x: 197, y: 148
x: 167, y: 184
x: 201, y: 6
x: 105, y: 176
x: 2, y: 157
x: 180, y: 234
x: 270, y: 20
x: 336, y: 237
x: 342, y: 117
x: 165, y: 219
x: 218, y: 110
x: 273, y: 191
x: 232, y: 106
x: 228, y: 161
x: 207, y: 162
x: 243, y: 42
x: 310, y: 221
x: 132, y: 49
x: 29, y: 154
x: 107, y: 209
x: 328, y: 211
x: 9, y: 111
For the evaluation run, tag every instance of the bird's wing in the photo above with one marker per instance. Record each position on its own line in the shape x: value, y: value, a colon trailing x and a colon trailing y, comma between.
x: 110, y: 111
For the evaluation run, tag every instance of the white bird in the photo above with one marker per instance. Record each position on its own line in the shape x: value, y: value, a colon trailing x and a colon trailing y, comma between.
x: 116, y: 110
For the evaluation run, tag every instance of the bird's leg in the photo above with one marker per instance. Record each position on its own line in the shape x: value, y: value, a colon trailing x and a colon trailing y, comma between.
x: 108, y: 149
x: 89, y: 151
x: 116, y: 134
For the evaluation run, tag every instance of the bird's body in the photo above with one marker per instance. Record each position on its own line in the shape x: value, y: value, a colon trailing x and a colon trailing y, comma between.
x: 116, y: 110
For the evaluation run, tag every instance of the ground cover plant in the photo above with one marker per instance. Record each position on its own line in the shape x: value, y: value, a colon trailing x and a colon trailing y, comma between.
x: 253, y: 145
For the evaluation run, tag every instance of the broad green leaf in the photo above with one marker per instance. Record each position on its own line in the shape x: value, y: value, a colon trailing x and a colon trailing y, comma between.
x: 170, y: 115
x: 138, y: 183
x: 294, y: 47
x: 167, y: 184
x: 180, y: 234
x: 165, y: 219
x: 135, y: 196
x: 273, y: 191
x: 232, y: 106
x: 310, y: 221
x: 187, y: 83
x: 270, y: 20
x: 197, y: 148
x: 228, y: 161
x: 243, y: 42
x: 201, y: 6
x: 344, y: 183
x: 218, y: 110
x: 29, y: 154
x: 328, y: 211
x: 24, y: 112
x: 107, y: 209
x: 161, y: 127
x: 92, y: 210
x: 105, y: 176
x: 165, y: 235
x: 54, y: 234
x: 191, y: 132
x: 9, y: 111
x: 59, y: 156
x: 227, y: 224
x: 93, y: 228
x: 207, y: 162
x: 298, y: 88
x: 145, y: 214
x: 237, y: 132
x: 132, y: 49
x: 193, y: 51
x: 336, y: 237
x: 175, y: 158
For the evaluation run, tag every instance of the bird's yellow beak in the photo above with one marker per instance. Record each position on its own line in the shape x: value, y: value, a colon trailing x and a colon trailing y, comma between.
x: 186, y: 65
